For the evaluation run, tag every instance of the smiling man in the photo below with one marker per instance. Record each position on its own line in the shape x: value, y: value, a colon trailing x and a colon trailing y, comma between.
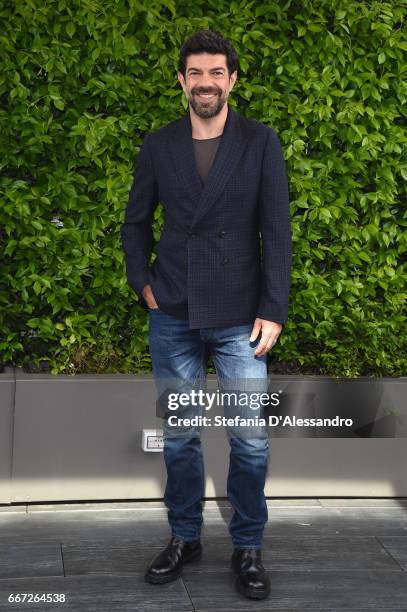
x: 208, y: 102
x: 219, y: 285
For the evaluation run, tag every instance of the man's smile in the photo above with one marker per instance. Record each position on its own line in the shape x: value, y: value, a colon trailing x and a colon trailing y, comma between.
x: 206, y: 97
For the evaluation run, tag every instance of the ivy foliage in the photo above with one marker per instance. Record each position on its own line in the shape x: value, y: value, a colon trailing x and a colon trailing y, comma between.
x: 83, y: 80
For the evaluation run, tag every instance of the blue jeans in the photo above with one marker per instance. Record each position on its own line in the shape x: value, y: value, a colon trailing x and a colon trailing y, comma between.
x: 179, y: 356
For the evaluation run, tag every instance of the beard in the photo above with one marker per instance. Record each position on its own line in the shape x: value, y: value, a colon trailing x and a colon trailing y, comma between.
x: 209, y: 109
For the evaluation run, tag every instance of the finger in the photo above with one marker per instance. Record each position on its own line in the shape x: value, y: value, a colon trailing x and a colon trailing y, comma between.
x: 270, y: 344
x: 260, y: 350
x: 255, y: 331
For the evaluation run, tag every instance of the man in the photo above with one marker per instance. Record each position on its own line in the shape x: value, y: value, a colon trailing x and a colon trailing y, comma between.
x: 219, y: 285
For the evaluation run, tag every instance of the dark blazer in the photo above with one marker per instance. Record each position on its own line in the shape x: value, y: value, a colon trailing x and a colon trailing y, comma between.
x: 224, y: 257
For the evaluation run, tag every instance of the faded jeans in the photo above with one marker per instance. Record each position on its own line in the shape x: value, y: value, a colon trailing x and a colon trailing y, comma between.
x: 179, y: 355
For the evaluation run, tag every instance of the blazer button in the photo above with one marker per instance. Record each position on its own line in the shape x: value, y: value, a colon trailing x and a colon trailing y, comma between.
x: 222, y: 234
x: 225, y: 261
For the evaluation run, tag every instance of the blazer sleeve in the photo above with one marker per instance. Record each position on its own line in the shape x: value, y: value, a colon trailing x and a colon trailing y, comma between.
x: 275, y: 232
x: 136, y: 231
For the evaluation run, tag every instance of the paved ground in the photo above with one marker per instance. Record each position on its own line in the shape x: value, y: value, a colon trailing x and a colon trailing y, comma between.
x: 322, y: 554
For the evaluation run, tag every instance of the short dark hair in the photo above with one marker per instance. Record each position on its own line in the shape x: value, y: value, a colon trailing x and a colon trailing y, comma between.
x: 208, y: 41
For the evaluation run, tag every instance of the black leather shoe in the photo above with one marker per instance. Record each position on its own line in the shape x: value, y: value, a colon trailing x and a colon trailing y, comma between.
x: 252, y: 580
x: 167, y: 566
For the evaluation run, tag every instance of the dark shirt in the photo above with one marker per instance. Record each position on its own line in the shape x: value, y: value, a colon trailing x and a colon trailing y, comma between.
x: 205, y: 151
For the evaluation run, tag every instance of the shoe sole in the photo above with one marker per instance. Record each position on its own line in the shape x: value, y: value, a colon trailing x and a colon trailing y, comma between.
x: 252, y: 593
x: 175, y: 575
x: 248, y: 592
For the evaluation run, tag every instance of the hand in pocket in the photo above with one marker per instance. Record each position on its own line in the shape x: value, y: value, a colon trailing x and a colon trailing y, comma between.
x: 149, y: 297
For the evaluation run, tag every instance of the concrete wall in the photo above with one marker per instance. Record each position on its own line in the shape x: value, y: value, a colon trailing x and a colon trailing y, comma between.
x: 65, y: 438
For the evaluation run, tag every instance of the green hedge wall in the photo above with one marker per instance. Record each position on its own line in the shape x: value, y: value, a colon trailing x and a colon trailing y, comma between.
x: 83, y: 81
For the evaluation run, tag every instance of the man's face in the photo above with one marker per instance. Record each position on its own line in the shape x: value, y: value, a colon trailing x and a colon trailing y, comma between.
x: 207, y: 74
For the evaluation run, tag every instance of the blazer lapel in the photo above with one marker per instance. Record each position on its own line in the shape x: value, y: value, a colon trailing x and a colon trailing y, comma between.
x: 229, y: 152
x: 184, y: 159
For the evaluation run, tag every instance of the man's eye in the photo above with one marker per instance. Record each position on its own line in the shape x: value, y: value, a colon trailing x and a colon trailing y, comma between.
x: 218, y: 72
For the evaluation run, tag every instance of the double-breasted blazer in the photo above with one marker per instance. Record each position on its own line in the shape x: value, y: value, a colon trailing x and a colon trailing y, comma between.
x: 224, y: 255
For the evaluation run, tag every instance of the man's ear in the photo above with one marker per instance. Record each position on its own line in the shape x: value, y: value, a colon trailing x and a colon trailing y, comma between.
x: 181, y: 79
x: 233, y: 79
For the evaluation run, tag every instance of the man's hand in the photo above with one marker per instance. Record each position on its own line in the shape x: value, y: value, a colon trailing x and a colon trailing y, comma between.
x: 149, y: 297
x: 270, y: 331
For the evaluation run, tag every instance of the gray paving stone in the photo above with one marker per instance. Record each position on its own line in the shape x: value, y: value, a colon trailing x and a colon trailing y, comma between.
x: 302, y: 553
x: 378, y: 502
x: 88, y: 593
x: 100, y: 558
x: 58, y: 527
x: 331, y: 557
x: 55, y: 526
x: 330, y: 521
x: 335, y: 553
x: 96, y: 506
x: 293, y: 502
x: 397, y: 548
x: 24, y: 560
x: 304, y: 590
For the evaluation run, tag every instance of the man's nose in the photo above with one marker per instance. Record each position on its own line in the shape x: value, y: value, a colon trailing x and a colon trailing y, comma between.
x: 206, y: 81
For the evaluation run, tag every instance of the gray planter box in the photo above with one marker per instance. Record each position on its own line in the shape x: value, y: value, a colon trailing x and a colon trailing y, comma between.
x: 7, y: 391
x: 67, y: 438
